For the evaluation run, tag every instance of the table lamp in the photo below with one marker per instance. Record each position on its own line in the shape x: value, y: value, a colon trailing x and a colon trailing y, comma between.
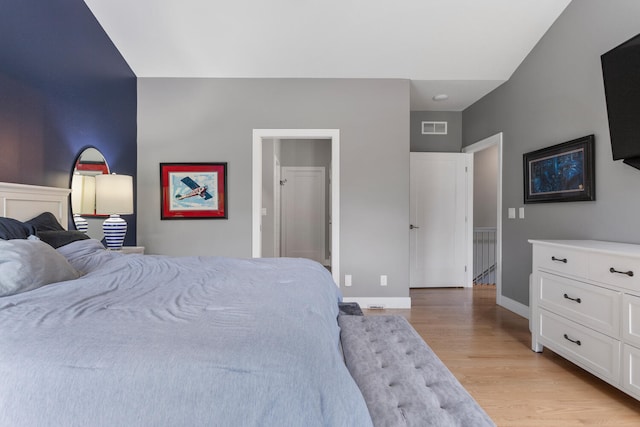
x: 114, y: 197
x: 83, y: 199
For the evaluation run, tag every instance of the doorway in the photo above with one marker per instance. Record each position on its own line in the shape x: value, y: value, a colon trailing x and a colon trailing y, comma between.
x: 488, y: 210
x: 296, y: 190
x: 330, y: 136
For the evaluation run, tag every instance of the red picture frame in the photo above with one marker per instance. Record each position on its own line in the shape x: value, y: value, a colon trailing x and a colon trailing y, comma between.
x: 193, y: 191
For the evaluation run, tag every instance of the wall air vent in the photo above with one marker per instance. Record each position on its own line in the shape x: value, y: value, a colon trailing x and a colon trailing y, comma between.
x: 434, y: 128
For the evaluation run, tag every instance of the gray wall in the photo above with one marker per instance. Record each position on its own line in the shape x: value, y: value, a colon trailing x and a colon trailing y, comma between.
x: 485, y: 187
x: 200, y: 120
x: 450, y: 143
x: 556, y: 95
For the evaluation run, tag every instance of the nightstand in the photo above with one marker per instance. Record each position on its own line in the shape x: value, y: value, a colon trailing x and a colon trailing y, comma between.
x: 132, y: 250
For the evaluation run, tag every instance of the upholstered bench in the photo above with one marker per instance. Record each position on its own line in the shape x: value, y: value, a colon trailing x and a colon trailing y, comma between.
x: 402, y: 380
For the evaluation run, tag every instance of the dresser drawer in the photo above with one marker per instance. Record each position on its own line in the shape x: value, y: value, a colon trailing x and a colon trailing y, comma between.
x: 562, y: 260
x: 631, y: 370
x: 615, y: 270
x: 631, y: 319
x: 592, y: 350
x: 593, y: 306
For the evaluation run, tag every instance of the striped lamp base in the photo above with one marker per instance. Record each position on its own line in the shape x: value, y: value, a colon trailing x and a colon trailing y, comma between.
x: 80, y: 223
x: 114, y: 229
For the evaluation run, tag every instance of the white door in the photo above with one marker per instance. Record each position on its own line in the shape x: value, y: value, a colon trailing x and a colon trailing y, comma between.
x: 439, y: 228
x: 303, y: 212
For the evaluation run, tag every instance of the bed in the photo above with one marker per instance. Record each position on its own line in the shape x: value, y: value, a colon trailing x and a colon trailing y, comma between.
x: 154, y: 340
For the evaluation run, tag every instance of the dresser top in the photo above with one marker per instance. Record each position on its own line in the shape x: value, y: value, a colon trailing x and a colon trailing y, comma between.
x: 615, y: 248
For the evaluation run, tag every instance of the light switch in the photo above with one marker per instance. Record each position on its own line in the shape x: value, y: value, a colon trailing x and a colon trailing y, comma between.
x: 521, y: 213
x: 511, y: 213
x: 264, y: 211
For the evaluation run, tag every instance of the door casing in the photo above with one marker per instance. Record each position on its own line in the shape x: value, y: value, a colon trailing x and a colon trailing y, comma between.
x: 256, y: 217
x: 479, y: 146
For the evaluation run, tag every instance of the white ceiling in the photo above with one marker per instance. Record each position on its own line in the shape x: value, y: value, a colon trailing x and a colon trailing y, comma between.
x: 464, y: 48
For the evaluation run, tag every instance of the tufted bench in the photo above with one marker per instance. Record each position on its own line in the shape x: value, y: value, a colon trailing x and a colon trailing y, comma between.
x: 402, y: 380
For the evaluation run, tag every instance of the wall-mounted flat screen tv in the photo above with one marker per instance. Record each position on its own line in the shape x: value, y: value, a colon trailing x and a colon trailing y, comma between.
x: 621, y: 73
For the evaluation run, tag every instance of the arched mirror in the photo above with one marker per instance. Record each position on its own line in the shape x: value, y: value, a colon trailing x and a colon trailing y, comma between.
x: 89, y: 163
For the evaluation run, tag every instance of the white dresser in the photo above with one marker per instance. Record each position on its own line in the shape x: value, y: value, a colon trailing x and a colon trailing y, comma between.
x: 585, y: 306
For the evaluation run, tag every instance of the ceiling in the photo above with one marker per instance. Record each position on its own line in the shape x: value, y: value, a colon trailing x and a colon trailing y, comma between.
x: 463, y: 48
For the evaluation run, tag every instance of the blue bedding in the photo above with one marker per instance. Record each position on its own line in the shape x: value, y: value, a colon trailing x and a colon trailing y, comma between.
x: 145, y: 340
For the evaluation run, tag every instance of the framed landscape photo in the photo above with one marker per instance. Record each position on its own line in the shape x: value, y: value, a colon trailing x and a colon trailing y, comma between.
x: 561, y: 173
x: 193, y: 191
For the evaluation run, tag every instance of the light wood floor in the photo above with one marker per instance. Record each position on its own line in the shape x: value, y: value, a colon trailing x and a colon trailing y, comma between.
x: 488, y: 349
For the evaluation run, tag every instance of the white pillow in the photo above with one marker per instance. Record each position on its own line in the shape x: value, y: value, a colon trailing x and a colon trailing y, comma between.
x: 30, y: 264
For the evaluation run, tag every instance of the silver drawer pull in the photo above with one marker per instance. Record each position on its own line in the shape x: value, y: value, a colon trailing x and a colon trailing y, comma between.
x: 578, y: 300
x: 559, y: 259
x: 628, y: 273
x: 566, y: 337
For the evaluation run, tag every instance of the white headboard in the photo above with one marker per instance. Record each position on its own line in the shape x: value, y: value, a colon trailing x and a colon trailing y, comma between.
x: 23, y: 202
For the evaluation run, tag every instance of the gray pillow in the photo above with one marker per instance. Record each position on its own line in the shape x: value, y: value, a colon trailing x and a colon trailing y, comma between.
x: 61, y: 238
x: 30, y: 264
x: 13, y: 229
x: 46, y: 221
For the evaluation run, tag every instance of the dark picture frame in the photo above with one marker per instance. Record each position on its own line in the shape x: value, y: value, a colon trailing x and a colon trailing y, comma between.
x: 193, y: 191
x: 561, y: 173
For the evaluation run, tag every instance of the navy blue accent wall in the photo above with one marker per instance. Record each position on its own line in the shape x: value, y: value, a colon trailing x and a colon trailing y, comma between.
x: 63, y: 86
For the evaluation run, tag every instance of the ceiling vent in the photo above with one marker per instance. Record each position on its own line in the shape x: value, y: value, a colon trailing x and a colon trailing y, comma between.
x: 434, y: 128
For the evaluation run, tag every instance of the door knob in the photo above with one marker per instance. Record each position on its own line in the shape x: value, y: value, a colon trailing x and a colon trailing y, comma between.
x: 411, y: 226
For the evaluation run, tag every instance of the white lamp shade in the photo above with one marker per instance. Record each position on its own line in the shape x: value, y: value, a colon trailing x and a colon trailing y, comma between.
x: 83, y: 194
x: 114, y: 194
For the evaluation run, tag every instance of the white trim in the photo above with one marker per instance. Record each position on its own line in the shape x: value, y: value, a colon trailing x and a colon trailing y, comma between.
x: 334, y: 136
x: 479, y: 146
x: 468, y: 230
x: 514, y: 306
x: 380, y: 302
x: 484, y: 143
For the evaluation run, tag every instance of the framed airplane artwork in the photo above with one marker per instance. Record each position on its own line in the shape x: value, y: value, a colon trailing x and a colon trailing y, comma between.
x: 193, y: 191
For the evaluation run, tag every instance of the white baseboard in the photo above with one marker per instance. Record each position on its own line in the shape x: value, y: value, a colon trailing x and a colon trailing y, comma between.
x: 512, y: 305
x: 400, y: 302
x: 380, y: 302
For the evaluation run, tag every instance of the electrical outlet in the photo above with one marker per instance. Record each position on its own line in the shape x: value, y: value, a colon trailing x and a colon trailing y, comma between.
x: 347, y: 280
x: 383, y: 280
